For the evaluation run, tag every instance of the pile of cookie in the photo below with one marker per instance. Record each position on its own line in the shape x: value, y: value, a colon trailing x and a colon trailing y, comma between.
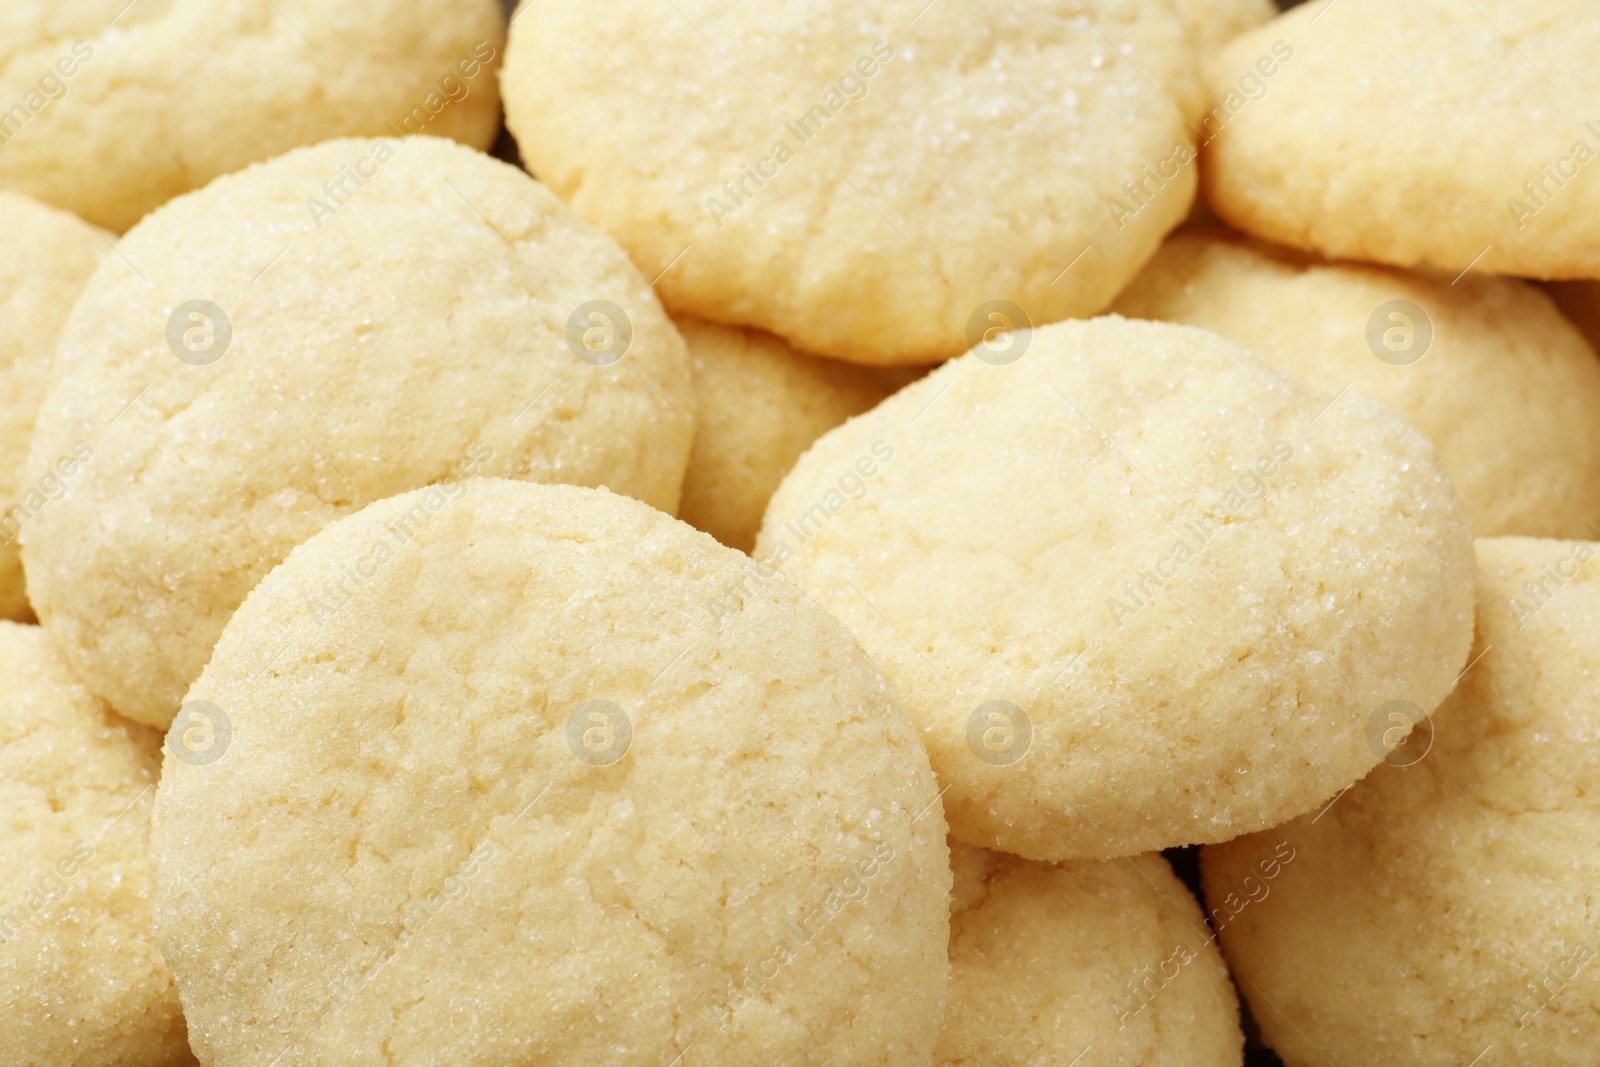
x: 965, y: 532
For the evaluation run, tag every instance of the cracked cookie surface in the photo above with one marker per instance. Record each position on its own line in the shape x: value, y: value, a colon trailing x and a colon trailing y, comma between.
x: 263, y: 358
x: 526, y: 797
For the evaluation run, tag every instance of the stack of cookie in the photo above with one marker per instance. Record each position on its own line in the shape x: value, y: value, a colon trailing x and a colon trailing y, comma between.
x: 933, y: 531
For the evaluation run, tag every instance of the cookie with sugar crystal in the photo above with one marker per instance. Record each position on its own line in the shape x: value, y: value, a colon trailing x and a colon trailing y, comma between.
x: 1418, y: 135
x: 761, y: 404
x: 82, y: 983
x: 1487, y: 368
x: 260, y: 361
x: 524, y: 798
x: 1445, y: 905
x: 867, y: 181
x: 1137, y: 588
x: 1104, y: 960
x: 48, y: 257
x: 117, y: 107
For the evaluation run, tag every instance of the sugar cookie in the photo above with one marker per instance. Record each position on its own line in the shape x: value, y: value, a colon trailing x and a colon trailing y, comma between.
x: 872, y: 182
x: 1486, y: 368
x: 1418, y: 134
x: 82, y: 983
x: 1104, y: 960
x: 113, y: 108
x: 1137, y: 588
x: 47, y: 257
x: 760, y: 404
x: 290, y: 359
x: 523, y: 798
x: 1446, y: 903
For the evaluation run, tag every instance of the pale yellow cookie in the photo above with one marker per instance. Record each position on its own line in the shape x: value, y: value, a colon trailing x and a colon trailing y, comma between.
x: 1430, y: 133
x: 521, y: 797
x: 1095, y: 963
x: 82, y: 983
x: 113, y: 107
x: 1487, y: 368
x: 760, y: 404
x: 1444, y: 909
x: 46, y: 256
x: 870, y: 181
x: 259, y: 361
x: 1137, y: 588
x: 1213, y: 23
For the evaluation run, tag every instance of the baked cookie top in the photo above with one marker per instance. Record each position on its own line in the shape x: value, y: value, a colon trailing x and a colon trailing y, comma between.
x: 864, y: 179
x: 1486, y: 367
x: 82, y: 983
x: 117, y: 107
x: 522, y: 796
x: 1447, y: 902
x: 1137, y: 588
x: 1421, y: 134
x: 294, y: 341
x: 47, y: 257
x: 1104, y: 960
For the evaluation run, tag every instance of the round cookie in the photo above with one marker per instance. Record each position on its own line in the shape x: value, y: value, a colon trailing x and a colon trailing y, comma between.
x: 82, y: 983
x: 1477, y: 158
x: 47, y: 257
x: 1486, y: 368
x: 249, y: 369
x: 1446, y: 903
x: 117, y: 107
x: 872, y: 182
x: 1137, y: 588
x: 525, y: 799
x: 760, y: 404
x: 1104, y: 960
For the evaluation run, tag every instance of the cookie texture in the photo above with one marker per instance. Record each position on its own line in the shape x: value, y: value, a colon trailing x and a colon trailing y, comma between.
x: 82, y: 983
x: 522, y: 798
x: 1428, y: 134
x: 1487, y: 368
x: 255, y: 365
x: 48, y: 256
x: 1447, y: 902
x: 116, y: 108
x: 1213, y: 23
x: 865, y: 179
x: 760, y: 405
x: 1104, y: 960
x: 1137, y: 588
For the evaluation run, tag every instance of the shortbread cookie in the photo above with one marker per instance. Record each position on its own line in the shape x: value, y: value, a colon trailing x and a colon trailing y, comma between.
x: 1137, y: 588
x: 1446, y: 905
x: 760, y: 404
x: 1477, y: 158
x: 1486, y: 368
x: 873, y: 182
x: 82, y: 983
x: 47, y: 257
x: 258, y: 362
x: 117, y: 107
x: 521, y: 798
x: 1095, y: 963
